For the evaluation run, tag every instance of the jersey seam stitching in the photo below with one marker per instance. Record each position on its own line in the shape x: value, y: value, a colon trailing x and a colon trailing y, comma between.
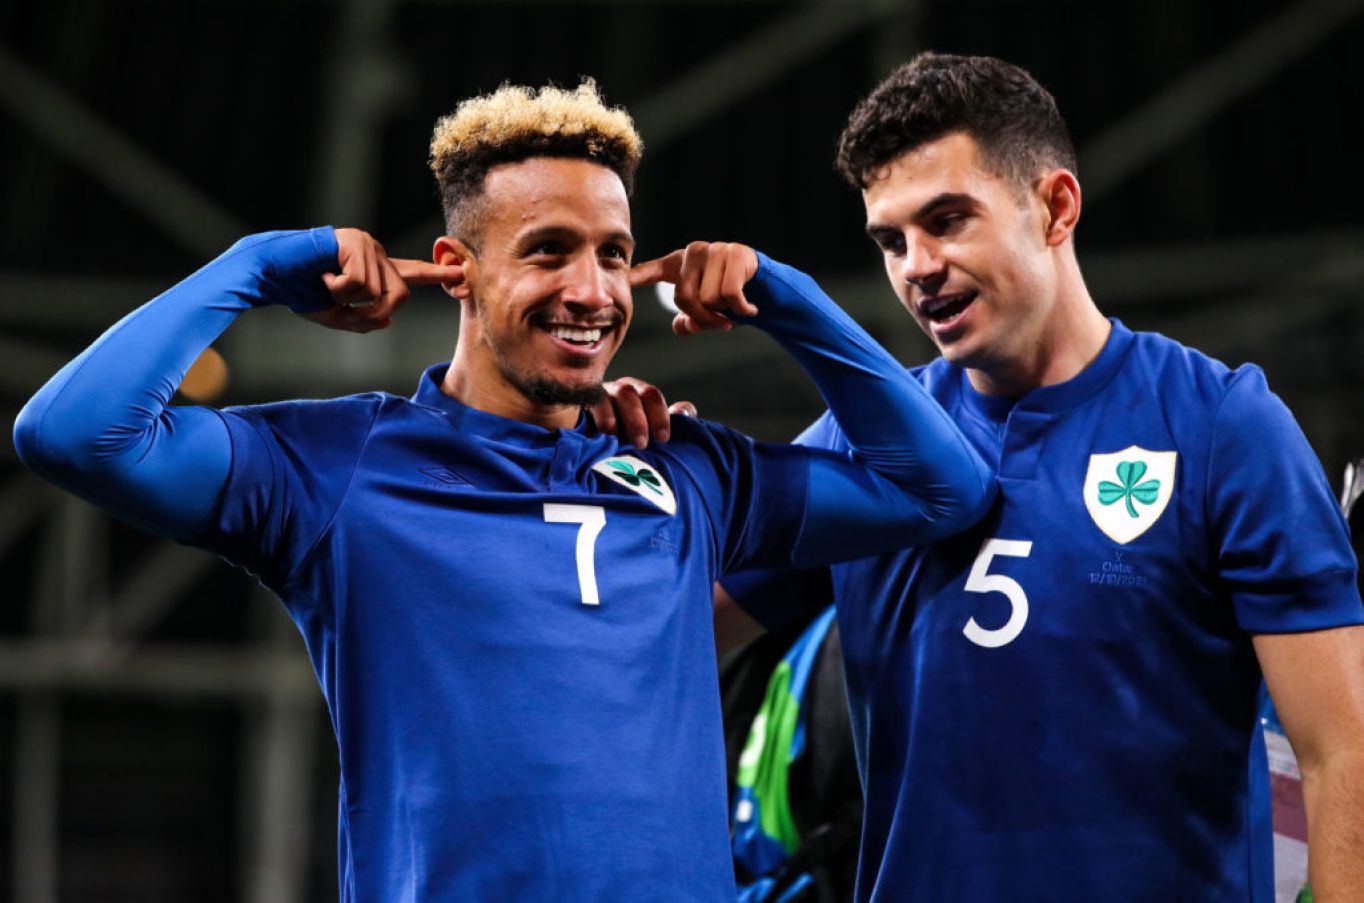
x: 340, y: 502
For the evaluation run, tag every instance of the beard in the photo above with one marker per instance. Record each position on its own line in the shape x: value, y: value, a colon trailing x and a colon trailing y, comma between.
x: 552, y: 392
x: 538, y: 387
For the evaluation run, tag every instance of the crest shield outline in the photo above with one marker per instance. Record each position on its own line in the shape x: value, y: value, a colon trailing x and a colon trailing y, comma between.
x: 1127, y: 491
x: 640, y: 478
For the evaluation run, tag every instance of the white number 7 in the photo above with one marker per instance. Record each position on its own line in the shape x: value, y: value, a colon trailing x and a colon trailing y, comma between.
x: 979, y: 581
x: 592, y: 518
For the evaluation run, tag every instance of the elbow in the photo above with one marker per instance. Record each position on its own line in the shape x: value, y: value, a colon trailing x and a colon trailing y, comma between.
x: 58, y: 449
x: 968, y: 502
x: 980, y: 500
x: 29, y: 441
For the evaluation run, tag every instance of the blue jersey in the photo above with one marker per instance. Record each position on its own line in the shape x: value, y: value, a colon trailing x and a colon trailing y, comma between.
x: 512, y: 629
x: 1060, y: 703
x: 511, y: 625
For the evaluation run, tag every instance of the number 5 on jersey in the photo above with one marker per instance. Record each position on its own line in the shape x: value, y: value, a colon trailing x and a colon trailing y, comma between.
x: 981, y: 581
x: 590, y: 518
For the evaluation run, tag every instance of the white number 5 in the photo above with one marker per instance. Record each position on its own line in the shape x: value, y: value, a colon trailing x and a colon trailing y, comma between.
x: 592, y: 518
x: 978, y: 581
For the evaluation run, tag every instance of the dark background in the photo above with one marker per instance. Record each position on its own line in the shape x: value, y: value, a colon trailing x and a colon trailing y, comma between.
x: 161, y: 735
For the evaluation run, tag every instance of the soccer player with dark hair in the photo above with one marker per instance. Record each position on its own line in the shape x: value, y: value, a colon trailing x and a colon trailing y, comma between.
x: 1061, y: 702
x: 509, y: 614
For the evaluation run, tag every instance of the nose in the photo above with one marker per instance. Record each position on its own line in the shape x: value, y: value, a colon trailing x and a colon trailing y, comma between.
x: 923, y: 267
x: 586, y: 287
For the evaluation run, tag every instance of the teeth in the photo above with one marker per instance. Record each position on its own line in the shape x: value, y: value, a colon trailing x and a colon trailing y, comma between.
x: 572, y: 334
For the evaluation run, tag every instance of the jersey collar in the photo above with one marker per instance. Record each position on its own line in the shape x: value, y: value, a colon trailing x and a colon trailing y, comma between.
x: 481, y: 423
x: 1062, y: 396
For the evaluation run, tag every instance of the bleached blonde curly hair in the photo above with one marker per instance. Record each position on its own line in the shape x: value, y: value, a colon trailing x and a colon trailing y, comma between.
x: 516, y: 123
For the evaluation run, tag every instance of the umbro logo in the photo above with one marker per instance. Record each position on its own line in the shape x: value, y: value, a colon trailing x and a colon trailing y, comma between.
x: 445, y: 475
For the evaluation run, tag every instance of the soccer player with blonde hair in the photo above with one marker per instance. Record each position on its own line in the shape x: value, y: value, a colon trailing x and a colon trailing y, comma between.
x: 508, y: 613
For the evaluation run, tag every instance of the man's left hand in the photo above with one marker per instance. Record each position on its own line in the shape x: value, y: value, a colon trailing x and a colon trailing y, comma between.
x: 708, y: 277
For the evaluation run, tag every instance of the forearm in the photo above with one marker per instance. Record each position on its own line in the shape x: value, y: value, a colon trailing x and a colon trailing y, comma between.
x: 102, y: 428
x: 1333, y: 791
x: 913, y: 457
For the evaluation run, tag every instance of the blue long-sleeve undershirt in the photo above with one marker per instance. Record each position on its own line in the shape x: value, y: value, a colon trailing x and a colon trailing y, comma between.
x: 102, y: 427
x: 920, y: 478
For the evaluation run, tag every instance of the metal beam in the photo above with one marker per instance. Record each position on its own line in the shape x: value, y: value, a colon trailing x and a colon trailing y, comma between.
x: 26, y: 366
x: 162, y: 579
x: 1288, y: 305
x: 126, y: 170
x: 37, y: 757
x: 95, y: 667
x: 1177, y: 272
x: 367, y: 78
x: 23, y: 499
x: 55, y: 300
x: 1188, y: 104
x: 280, y: 751
x: 749, y: 65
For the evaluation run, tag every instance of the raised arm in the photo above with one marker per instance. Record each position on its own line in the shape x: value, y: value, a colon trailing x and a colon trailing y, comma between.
x: 910, y: 475
x: 102, y: 427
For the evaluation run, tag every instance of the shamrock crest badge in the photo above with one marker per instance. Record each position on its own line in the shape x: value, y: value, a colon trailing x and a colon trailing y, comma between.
x: 1126, y: 492
x: 644, y: 479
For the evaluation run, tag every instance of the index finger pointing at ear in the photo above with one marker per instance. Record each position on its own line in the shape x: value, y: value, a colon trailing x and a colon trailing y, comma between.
x: 661, y: 269
x: 423, y: 272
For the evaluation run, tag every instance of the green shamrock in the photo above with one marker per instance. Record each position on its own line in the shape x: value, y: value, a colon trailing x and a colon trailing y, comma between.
x: 635, y: 477
x: 1129, y: 472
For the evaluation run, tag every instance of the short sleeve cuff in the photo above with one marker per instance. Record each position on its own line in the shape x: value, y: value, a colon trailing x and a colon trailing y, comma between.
x: 1311, y: 603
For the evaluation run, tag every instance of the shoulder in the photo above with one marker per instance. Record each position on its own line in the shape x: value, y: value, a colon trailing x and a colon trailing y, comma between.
x: 707, y: 450
x: 1187, y: 376
x: 339, y: 413
x: 313, y: 424
x: 694, y: 438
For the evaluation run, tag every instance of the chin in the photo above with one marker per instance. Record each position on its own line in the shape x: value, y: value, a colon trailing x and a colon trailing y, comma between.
x: 549, y: 391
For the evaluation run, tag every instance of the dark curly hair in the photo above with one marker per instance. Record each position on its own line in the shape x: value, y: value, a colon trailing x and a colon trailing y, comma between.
x: 1012, y: 118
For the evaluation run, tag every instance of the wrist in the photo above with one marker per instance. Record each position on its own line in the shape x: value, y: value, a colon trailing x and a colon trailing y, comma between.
x: 785, y: 296
x: 290, y: 264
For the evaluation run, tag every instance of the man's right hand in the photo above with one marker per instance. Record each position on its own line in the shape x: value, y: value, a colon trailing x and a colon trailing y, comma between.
x: 372, y: 285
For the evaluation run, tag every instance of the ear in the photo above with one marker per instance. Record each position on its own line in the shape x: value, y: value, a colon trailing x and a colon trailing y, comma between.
x: 449, y: 251
x: 1059, y: 193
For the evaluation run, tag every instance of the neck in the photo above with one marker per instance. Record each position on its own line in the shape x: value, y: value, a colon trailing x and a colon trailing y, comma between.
x: 1069, y: 337
x: 492, y: 394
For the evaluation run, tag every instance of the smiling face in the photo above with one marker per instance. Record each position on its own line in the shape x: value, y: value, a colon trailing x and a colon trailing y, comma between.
x: 547, y: 293
x: 968, y: 252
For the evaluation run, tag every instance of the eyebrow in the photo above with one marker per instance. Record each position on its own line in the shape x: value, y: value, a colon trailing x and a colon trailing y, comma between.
x: 946, y: 199
x: 540, y: 232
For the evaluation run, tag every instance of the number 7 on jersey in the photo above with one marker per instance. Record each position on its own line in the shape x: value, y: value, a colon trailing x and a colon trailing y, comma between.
x: 591, y: 519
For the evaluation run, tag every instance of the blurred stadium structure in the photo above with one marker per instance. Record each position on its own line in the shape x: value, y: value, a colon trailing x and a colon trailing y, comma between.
x: 161, y: 736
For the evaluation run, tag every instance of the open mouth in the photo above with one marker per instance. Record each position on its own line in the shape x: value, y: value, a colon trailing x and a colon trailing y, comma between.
x: 576, y: 335
x: 946, y: 308
x: 580, y: 337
